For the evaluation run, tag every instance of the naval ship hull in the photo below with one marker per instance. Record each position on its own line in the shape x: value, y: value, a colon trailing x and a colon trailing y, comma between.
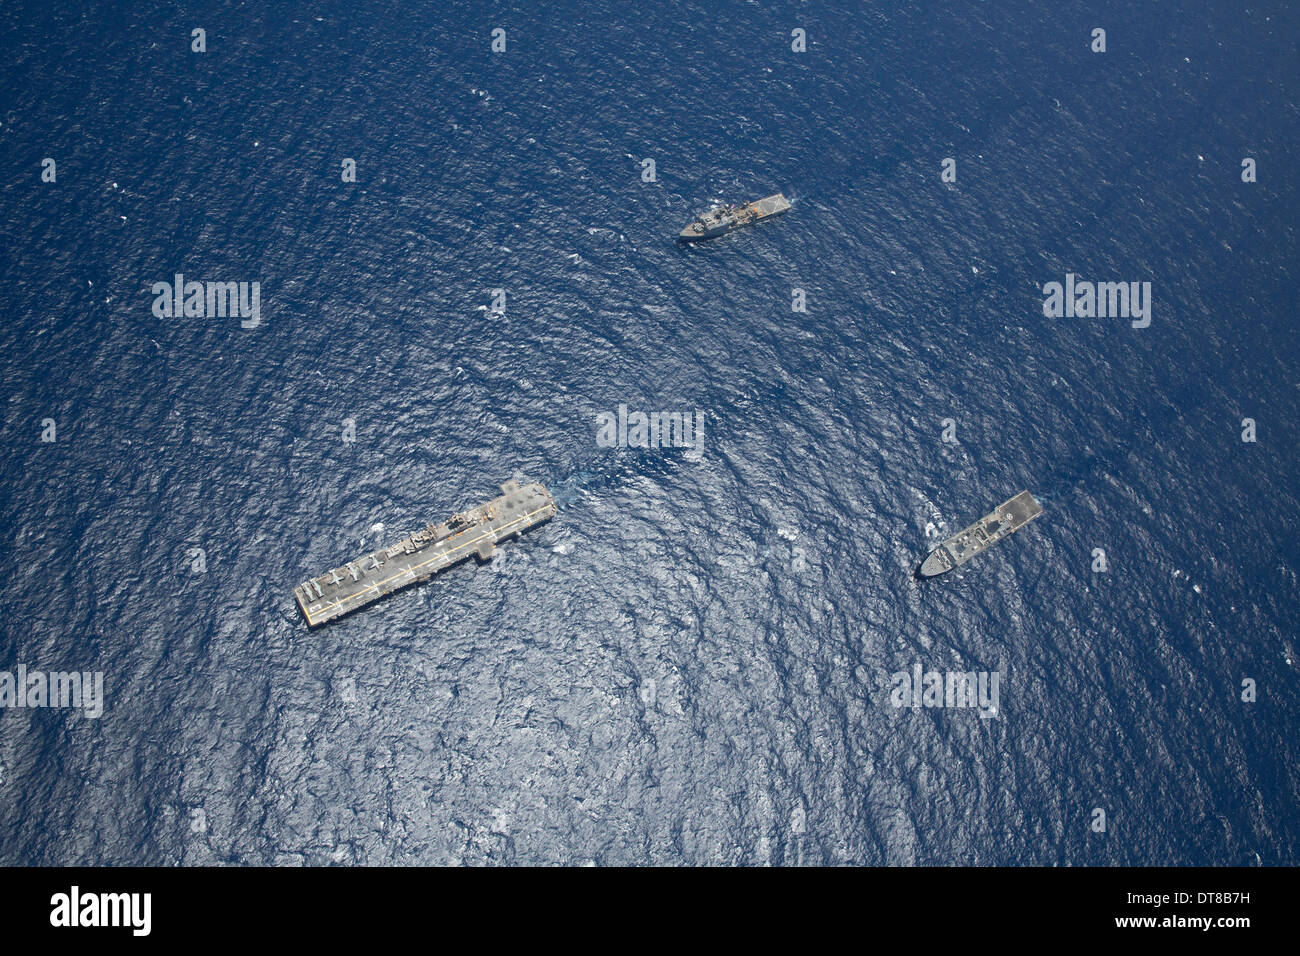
x: 1008, y: 518
x: 718, y: 222
x: 421, y: 555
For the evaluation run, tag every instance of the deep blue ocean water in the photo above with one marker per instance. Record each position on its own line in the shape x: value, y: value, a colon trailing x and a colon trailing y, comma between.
x: 691, y: 663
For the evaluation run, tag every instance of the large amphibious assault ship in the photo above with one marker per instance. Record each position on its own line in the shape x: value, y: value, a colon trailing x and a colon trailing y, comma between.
x: 423, y: 554
x: 725, y: 218
x: 1010, y: 516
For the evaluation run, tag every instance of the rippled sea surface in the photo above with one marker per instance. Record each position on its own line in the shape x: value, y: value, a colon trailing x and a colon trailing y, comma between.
x: 692, y: 662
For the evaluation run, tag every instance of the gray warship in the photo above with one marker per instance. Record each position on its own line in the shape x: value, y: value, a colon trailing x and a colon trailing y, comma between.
x: 1010, y: 516
x: 423, y: 554
x: 724, y: 218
